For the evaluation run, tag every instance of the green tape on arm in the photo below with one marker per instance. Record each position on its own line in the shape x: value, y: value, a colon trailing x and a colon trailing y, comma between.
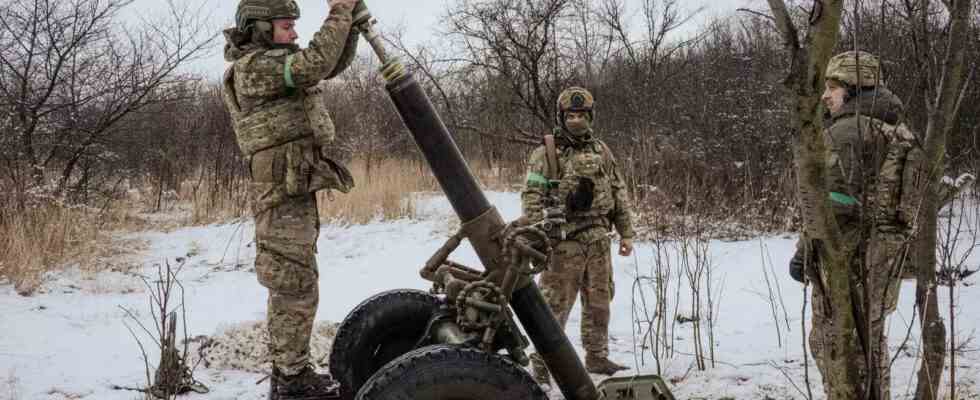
x: 536, y: 179
x: 842, y: 198
x: 287, y: 72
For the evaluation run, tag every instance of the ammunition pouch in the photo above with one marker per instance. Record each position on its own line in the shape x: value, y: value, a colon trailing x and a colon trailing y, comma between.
x: 317, y: 113
x: 291, y: 170
x: 307, y: 171
x: 580, y: 199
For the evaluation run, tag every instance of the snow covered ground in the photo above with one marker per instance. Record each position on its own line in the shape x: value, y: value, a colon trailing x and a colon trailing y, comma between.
x: 70, y: 342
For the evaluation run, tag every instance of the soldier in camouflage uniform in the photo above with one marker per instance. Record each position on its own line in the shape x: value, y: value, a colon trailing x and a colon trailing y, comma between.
x: 874, y: 168
x: 284, y: 131
x: 589, y: 187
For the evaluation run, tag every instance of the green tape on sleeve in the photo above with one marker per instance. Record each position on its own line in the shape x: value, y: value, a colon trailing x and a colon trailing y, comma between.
x: 842, y: 198
x: 534, y: 178
x: 287, y: 72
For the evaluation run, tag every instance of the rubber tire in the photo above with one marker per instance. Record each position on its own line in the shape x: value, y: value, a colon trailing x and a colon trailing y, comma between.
x: 381, y: 328
x: 446, y: 372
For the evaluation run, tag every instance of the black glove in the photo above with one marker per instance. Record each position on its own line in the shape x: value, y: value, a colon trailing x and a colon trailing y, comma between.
x: 796, y: 266
x: 803, y: 257
x: 581, y: 198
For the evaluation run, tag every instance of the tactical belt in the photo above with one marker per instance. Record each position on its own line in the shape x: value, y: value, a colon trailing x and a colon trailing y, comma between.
x: 249, y: 156
x: 586, y: 223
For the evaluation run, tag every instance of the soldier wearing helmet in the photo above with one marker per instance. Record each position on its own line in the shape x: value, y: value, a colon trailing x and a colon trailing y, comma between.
x: 285, y: 132
x: 873, y: 167
x: 578, y: 172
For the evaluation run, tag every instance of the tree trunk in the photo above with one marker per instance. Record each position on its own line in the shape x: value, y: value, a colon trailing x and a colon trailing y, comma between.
x: 942, y: 114
x: 933, y: 329
x: 806, y: 83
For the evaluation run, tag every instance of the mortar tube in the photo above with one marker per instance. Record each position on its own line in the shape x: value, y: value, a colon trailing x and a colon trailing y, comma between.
x: 552, y: 344
x: 481, y: 221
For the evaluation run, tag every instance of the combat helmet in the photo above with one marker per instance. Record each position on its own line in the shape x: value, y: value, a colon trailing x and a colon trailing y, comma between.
x: 264, y: 10
x: 855, y: 68
x: 575, y: 99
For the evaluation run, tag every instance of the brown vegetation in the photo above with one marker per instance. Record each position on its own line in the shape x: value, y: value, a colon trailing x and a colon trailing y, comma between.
x: 49, y: 234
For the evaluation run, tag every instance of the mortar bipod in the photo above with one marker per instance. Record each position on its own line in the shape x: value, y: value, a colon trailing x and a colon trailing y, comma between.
x: 477, y: 310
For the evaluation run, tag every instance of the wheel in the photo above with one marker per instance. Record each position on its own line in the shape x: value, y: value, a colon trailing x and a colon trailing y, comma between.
x: 377, y: 331
x: 446, y: 372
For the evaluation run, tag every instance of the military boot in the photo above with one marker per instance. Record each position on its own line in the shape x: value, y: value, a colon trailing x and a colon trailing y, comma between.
x: 306, y: 385
x: 602, y: 365
x: 539, y: 371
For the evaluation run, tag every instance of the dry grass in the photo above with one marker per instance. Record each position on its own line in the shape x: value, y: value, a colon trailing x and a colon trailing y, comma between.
x: 214, y: 200
x: 383, y: 193
x: 499, y: 176
x: 48, y: 234
x: 44, y: 235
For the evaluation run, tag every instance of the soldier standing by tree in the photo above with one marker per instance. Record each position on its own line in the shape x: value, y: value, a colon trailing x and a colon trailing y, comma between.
x: 284, y: 130
x: 874, y: 177
x: 576, y: 171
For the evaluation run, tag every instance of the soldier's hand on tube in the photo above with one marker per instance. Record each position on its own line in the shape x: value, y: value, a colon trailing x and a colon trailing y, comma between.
x: 359, y: 7
x: 625, y: 247
x: 348, y: 3
x: 361, y: 15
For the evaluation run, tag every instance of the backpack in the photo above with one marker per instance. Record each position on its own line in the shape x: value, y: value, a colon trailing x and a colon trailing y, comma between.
x: 901, y: 176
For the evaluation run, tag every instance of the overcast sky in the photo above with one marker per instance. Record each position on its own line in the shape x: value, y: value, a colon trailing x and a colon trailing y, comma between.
x: 418, y: 18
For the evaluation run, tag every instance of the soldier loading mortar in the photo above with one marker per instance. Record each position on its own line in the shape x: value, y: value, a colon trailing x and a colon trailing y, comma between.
x: 447, y: 343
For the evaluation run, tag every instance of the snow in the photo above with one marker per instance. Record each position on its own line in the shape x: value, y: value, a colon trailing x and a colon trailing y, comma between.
x: 70, y: 341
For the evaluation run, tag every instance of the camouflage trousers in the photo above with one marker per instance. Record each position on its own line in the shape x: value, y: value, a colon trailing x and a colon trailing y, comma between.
x: 586, y: 269
x: 285, y: 263
x: 877, y: 271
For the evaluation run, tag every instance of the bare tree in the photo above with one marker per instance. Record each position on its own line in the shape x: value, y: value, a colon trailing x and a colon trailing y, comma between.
x: 943, y: 94
x: 957, y: 239
x: 515, y: 41
x: 805, y: 83
x: 941, y: 102
x: 70, y: 74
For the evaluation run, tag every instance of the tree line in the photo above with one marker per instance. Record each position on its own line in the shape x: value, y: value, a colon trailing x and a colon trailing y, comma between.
x: 89, y: 110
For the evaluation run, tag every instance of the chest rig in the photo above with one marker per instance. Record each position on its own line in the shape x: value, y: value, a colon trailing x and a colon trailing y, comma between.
x: 580, y: 178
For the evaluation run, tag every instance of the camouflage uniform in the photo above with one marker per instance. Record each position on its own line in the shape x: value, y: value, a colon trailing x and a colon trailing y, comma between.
x: 581, y: 263
x: 283, y: 129
x: 872, y: 186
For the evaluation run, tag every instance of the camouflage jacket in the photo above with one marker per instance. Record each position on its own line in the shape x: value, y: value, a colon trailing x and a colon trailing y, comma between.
x: 279, y: 116
x: 872, y: 166
x: 610, y: 206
